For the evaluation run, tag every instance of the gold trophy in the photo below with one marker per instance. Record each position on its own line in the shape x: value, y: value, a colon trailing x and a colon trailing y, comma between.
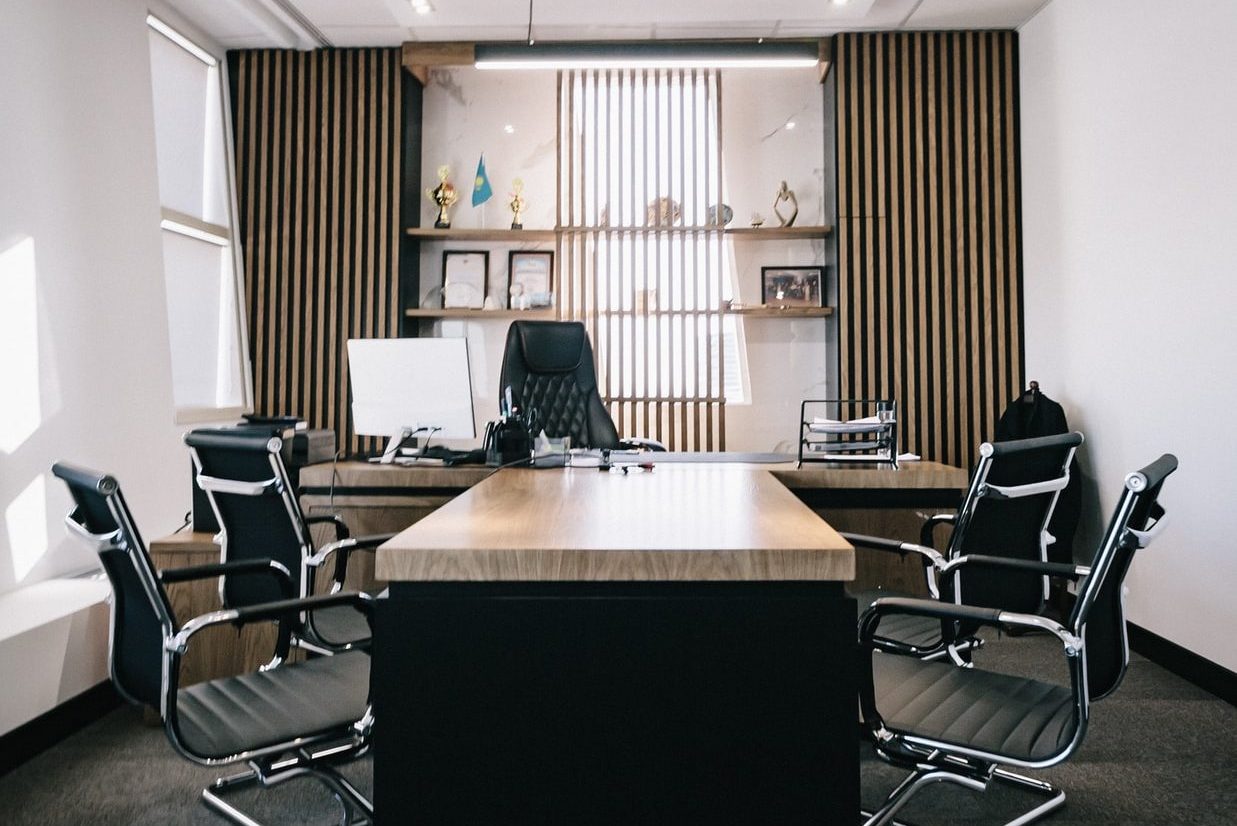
x: 517, y: 203
x: 445, y: 196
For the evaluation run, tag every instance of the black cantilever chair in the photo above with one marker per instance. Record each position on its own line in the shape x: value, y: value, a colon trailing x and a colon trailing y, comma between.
x: 244, y: 477
x: 549, y: 367
x: 969, y: 726
x: 285, y: 720
x: 1006, y: 512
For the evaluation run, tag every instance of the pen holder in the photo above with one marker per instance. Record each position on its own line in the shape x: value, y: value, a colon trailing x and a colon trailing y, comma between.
x: 507, y: 441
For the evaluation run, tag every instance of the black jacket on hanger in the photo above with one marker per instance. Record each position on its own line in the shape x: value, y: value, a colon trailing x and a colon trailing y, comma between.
x: 1034, y: 414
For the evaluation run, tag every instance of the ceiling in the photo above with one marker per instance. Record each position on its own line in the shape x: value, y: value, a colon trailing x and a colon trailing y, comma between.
x: 304, y: 24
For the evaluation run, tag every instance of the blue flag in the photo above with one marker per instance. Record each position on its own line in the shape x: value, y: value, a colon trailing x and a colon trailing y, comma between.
x: 481, y: 190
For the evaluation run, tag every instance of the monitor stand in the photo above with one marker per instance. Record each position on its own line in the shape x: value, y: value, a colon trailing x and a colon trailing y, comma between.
x: 391, y: 452
x: 394, y: 444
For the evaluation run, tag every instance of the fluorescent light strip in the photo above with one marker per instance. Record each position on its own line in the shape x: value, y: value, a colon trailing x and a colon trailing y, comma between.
x: 182, y: 41
x: 686, y: 54
x: 651, y: 63
x: 194, y: 232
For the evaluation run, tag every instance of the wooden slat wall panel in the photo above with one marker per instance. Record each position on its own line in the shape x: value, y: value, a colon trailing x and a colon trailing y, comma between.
x: 929, y: 239
x: 317, y: 157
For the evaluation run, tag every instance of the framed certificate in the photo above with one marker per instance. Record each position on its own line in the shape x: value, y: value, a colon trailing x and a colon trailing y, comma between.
x: 531, y: 274
x: 464, y: 274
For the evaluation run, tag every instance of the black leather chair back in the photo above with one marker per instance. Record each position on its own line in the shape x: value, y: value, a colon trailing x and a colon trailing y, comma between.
x: 1099, y: 613
x: 261, y: 522
x: 1009, y: 527
x: 549, y: 367
x: 141, y: 613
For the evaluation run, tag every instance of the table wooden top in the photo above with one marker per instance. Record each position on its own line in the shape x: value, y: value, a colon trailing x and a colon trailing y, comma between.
x: 353, y: 475
x: 369, y: 475
x: 698, y: 522
x: 906, y: 476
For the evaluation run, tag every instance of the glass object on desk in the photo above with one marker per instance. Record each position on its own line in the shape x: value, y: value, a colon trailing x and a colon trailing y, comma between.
x: 884, y: 412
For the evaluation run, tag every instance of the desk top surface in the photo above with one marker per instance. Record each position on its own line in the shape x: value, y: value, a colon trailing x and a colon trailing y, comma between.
x: 686, y: 522
x: 346, y: 476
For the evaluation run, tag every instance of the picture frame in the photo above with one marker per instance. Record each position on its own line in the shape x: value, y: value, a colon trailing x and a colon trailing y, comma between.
x: 464, y: 277
x: 530, y: 278
x: 793, y: 286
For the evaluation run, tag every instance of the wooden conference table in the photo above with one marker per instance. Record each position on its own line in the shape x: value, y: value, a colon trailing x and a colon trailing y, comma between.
x: 569, y: 646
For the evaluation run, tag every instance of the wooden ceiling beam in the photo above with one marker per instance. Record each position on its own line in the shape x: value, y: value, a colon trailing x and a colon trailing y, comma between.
x: 420, y: 57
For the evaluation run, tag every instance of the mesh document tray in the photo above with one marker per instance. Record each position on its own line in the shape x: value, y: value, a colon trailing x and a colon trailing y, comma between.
x: 848, y: 430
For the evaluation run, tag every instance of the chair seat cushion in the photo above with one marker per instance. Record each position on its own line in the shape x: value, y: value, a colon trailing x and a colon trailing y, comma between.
x: 922, y: 632
x: 230, y: 715
x: 340, y: 625
x: 1013, y: 716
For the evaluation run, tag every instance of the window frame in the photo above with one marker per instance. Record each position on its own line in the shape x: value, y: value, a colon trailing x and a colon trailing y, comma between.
x: 171, y: 220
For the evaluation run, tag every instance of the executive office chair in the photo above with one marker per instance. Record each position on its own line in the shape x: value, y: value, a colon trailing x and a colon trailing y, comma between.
x: 969, y: 726
x: 243, y: 475
x: 1006, y: 512
x: 285, y: 720
x: 549, y: 367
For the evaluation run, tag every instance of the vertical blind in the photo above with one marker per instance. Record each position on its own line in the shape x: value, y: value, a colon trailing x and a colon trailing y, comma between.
x: 641, y: 251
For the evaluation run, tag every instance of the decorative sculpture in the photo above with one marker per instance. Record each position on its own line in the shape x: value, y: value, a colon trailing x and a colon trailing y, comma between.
x: 785, y: 193
x: 445, y: 196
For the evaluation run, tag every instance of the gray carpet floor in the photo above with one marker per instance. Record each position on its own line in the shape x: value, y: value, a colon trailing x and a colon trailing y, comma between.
x: 1159, y: 751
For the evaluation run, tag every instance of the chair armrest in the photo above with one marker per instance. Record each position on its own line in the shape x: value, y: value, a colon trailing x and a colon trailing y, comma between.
x: 280, y: 610
x: 269, y: 567
x: 877, y: 543
x: 928, y: 531
x: 635, y: 443
x: 341, y: 527
x: 884, y: 606
x: 951, y: 611
x: 1033, y: 566
x: 344, y: 548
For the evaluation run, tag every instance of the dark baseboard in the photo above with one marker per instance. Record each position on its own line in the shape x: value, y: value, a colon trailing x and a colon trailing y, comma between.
x: 1184, y: 663
x: 46, y: 730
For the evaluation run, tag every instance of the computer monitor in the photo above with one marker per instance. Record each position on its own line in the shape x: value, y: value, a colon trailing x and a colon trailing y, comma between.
x: 401, y: 386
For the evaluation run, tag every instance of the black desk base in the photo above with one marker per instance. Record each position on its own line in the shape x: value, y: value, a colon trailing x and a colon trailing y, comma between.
x: 616, y: 703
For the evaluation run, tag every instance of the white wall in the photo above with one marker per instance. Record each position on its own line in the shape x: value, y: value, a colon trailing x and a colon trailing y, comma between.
x: 1129, y: 214
x: 83, y: 321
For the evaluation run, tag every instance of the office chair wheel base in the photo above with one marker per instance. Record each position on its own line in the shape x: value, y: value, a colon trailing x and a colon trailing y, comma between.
x: 356, y: 809
x: 926, y: 775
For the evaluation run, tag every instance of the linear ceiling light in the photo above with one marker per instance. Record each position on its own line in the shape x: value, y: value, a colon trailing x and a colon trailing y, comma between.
x: 659, y: 55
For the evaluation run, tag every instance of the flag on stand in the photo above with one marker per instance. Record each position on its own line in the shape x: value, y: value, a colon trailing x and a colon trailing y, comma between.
x: 481, y: 190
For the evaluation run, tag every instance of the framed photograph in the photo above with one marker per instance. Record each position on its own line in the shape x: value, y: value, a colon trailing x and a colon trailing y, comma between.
x: 793, y: 286
x: 464, y: 274
x: 531, y: 274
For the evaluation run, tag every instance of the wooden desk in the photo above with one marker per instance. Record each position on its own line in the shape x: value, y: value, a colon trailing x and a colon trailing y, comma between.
x: 584, y: 647
x: 871, y: 499
x: 699, y: 523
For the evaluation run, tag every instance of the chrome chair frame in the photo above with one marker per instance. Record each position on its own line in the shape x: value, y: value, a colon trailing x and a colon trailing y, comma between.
x: 939, y: 566
x: 933, y: 760
x: 311, y: 755
x: 306, y: 635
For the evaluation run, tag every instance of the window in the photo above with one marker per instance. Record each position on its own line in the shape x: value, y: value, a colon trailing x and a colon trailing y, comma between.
x: 645, y: 264
x: 210, y: 370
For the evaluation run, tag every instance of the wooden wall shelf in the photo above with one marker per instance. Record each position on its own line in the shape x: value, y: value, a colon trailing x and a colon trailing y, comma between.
x: 432, y: 234
x: 543, y: 314
x: 760, y: 311
x: 780, y: 233
x: 770, y: 233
